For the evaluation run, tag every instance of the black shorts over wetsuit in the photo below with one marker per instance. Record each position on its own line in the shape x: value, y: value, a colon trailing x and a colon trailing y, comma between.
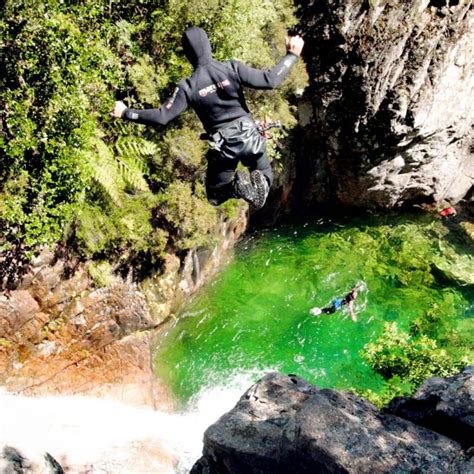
x: 215, y: 92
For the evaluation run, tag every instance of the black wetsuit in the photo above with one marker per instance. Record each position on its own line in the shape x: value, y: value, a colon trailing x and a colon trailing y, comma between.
x: 338, y: 303
x: 215, y: 92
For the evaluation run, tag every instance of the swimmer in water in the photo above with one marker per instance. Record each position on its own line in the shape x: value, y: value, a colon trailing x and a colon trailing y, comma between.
x: 338, y: 303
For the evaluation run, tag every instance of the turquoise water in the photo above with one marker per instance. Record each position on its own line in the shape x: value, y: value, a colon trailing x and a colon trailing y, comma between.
x: 255, y: 315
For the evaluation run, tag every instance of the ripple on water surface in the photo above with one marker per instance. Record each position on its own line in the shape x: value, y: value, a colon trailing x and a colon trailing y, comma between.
x: 255, y: 315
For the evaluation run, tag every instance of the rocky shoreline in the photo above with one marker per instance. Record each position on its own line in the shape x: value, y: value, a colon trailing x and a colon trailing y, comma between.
x: 284, y: 424
x: 60, y: 334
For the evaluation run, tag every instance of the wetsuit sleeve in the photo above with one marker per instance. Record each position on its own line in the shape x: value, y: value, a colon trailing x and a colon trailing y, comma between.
x: 258, y: 79
x: 173, y: 106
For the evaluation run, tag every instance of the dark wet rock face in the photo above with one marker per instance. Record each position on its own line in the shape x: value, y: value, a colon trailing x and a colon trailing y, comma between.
x: 443, y: 405
x: 283, y: 424
x: 388, y: 114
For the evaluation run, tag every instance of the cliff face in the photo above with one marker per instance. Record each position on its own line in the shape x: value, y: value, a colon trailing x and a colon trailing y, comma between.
x: 284, y: 424
x: 59, y: 333
x: 388, y: 114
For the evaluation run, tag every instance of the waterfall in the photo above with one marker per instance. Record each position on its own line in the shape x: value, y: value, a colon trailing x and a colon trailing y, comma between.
x: 88, y: 434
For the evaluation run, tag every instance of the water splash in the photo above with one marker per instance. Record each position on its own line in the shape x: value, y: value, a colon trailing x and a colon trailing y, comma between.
x: 89, y: 433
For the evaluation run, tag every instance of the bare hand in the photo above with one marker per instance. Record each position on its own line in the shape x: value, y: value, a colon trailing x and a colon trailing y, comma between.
x: 119, y: 109
x: 294, y: 44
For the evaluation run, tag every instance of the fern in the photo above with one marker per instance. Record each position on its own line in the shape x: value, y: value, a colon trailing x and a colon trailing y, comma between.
x: 105, y: 170
x: 131, y: 154
x: 113, y: 173
x: 120, y: 128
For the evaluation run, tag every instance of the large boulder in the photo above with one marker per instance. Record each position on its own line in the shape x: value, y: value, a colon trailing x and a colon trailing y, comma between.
x: 388, y: 114
x: 442, y: 405
x: 284, y: 424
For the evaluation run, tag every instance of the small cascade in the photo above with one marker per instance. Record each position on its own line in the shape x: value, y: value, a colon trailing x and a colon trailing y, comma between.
x: 97, y: 435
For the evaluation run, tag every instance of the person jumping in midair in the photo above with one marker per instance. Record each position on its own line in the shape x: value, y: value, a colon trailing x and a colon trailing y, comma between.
x: 215, y: 92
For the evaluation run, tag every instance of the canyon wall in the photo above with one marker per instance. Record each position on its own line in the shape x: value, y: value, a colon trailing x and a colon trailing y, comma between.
x: 387, y: 118
x: 60, y: 333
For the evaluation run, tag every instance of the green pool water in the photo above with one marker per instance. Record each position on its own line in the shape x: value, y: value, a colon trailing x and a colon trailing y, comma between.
x: 254, y: 316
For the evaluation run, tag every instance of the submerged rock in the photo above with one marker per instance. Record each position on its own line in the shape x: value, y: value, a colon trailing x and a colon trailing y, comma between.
x: 284, y: 424
x: 455, y: 268
x: 391, y: 92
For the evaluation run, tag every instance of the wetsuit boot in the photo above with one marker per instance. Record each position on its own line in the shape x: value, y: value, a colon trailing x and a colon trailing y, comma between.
x: 260, y: 184
x: 243, y: 187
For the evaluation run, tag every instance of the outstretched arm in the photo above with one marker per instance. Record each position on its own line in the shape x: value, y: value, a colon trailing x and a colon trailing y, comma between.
x: 176, y: 104
x: 258, y: 79
x: 350, y: 307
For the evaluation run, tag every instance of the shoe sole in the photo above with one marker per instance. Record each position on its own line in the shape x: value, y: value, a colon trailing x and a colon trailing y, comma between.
x: 260, y: 184
x: 243, y: 187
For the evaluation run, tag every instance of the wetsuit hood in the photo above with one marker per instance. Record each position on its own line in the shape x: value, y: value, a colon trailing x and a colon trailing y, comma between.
x: 196, y: 46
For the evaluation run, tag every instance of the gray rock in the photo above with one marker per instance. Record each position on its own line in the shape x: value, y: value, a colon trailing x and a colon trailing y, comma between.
x: 391, y: 93
x: 442, y: 405
x: 283, y: 424
x: 44, y: 257
x: 13, y: 461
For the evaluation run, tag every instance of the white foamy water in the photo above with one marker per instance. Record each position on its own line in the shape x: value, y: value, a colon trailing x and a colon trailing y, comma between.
x: 97, y: 435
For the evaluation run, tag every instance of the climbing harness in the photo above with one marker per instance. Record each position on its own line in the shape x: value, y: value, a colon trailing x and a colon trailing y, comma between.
x: 216, y: 140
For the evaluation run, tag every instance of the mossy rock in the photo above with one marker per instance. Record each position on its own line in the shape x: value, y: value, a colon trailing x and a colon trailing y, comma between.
x: 469, y: 229
x: 458, y: 268
x: 101, y: 273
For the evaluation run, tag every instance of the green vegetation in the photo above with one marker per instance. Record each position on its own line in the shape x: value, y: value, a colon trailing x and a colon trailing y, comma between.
x: 113, y: 189
x: 412, y: 358
x: 407, y: 359
x: 101, y: 273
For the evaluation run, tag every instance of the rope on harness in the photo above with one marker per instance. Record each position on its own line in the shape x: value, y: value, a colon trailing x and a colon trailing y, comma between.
x: 264, y: 125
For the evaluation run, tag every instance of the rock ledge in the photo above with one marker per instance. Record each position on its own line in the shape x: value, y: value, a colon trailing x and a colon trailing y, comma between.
x: 284, y: 424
